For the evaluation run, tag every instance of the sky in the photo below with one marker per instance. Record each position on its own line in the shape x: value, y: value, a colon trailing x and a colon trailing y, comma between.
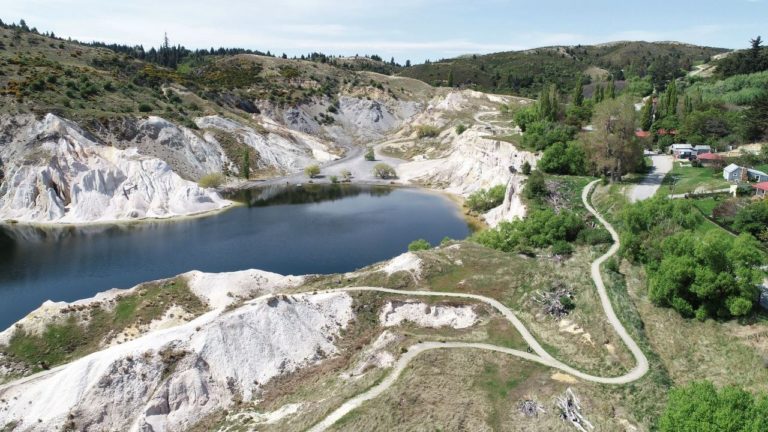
x: 413, y: 30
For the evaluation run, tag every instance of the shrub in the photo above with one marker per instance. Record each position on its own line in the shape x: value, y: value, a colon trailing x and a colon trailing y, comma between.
x: 714, y: 275
x: 426, y: 131
x: 562, y: 248
x: 334, y: 179
x: 346, y: 175
x: 369, y: 155
x: 526, y: 168
x: 486, y: 199
x: 700, y: 406
x: 594, y: 236
x: 460, y: 129
x: 541, y: 134
x: 418, y: 245
x: 211, y: 180
x: 384, y: 171
x: 312, y: 171
x: 753, y: 218
x: 560, y: 158
x: 536, y: 186
x: 567, y: 303
x: 144, y: 107
x: 540, y: 229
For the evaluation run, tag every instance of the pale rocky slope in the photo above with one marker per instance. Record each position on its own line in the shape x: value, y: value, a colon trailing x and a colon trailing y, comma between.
x: 55, y: 172
x: 175, y: 373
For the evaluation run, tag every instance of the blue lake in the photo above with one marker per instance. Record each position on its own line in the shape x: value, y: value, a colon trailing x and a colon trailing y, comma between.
x: 296, y: 230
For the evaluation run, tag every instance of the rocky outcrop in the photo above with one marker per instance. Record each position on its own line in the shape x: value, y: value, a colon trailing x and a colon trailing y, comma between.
x: 57, y: 173
x: 170, y: 379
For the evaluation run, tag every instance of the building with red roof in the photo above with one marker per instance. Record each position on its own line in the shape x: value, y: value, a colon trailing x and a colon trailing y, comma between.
x: 761, y: 189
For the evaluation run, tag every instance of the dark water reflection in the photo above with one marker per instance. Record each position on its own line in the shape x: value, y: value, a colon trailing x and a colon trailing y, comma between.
x: 312, y: 229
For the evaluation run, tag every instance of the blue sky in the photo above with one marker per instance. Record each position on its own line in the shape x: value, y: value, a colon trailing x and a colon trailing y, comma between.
x: 406, y: 29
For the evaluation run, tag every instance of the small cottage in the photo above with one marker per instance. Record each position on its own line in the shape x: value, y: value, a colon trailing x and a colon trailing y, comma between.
x: 682, y: 151
x: 761, y: 189
x: 701, y: 149
x: 732, y: 173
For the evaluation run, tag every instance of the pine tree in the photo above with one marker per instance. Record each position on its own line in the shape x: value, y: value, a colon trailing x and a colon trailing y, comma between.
x: 687, y: 105
x: 646, y: 115
x: 612, y: 90
x: 578, y: 94
x: 598, y: 94
x: 554, y: 103
x: 407, y: 63
x: 672, y: 98
x: 545, y: 107
x: 245, y: 164
x: 450, y: 78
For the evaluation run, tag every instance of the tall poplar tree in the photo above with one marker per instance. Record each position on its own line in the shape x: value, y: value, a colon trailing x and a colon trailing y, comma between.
x: 578, y: 94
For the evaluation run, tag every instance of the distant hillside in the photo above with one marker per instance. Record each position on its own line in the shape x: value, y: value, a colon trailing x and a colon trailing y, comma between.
x: 524, y: 72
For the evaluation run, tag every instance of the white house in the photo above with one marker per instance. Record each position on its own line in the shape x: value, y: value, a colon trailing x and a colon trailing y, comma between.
x: 701, y: 149
x: 682, y: 151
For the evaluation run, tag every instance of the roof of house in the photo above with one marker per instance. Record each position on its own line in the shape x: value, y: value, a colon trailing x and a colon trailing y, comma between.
x: 756, y: 172
x: 642, y: 134
x: 666, y: 132
x: 709, y: 156
x: 762, y: 186
x: 731, y: 168
x: 682, y: 147
x: 702, y: 147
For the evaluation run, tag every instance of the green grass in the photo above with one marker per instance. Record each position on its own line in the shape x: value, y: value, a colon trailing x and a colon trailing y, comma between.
x: 688, y: 179
x: 68, y: 340
x: 706, y: 205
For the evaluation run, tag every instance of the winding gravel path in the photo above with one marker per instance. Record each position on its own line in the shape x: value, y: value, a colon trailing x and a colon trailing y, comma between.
x: 540, y: 356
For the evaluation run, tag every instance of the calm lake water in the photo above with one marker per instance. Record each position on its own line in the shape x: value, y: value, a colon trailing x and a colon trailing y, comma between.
x: 313, y: 229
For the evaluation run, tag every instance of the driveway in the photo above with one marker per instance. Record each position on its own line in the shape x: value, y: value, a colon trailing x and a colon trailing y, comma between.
x: 662, y: 164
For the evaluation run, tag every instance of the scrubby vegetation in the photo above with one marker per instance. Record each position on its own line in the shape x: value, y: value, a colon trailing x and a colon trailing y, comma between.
x: 527, y: 72
x: 418, y: 245
x: 486, y: 199
x: 710, y: 275
x: 312, y: 171
x: 542, y: 228
x: 212, y: 180
x: 427, y: 131
x: 384, y: 171
x: 73, y: 337
x: 700, y: 407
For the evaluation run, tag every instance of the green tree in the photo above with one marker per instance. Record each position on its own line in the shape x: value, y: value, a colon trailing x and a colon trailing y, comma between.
x: 312, y: 171
x: 450, y: 78
x: 526, y: 168
x: 753, y: 218
x: 598, y: 93
x: 646, y: 115
x: 419, y: 245
x: 561, y: 158
x: 536, y: 186
x: 370, y: 155
x: 577, y: 97
x: 671, y: 99
x: 245, y: 164
x: 611, y: 94
x: 384, y: 171
x: 612, y: 147
x: 700, y: 407
x: 484, y: 200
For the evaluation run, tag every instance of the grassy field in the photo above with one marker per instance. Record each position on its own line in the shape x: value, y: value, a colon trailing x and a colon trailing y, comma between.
x: 687, y: 179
